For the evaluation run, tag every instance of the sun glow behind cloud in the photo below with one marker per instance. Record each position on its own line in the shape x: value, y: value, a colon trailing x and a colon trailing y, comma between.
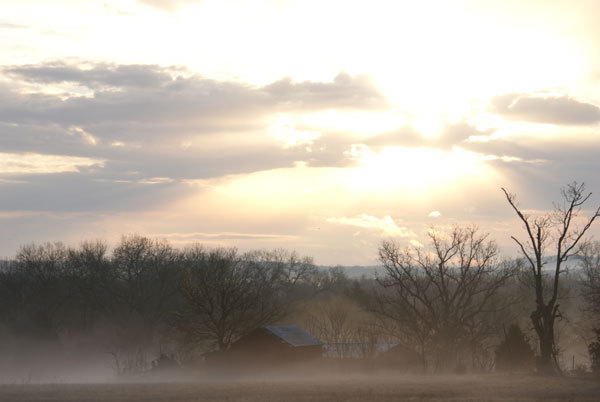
x: 416, y: 169
x: 356, y: 122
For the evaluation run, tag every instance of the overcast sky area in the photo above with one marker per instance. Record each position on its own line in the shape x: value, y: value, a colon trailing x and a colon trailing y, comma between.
x: 323, y: 127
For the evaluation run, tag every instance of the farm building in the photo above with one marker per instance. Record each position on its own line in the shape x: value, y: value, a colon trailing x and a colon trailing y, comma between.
x: 272, y: 346
x: 400, y: 357
x: 356, y: 350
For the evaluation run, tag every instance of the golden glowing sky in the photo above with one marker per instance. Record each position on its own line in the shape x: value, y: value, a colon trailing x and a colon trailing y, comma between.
x: 320, y: 126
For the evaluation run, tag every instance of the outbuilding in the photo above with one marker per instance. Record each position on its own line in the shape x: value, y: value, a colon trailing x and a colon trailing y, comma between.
x: 271, y: 346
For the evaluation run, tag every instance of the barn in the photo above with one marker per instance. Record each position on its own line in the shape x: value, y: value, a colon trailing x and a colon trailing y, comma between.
x: 271, y: 346
x: 401, y: 358
x: 356, y: 350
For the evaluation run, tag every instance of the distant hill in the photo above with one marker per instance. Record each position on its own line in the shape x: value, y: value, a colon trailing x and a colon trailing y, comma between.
x: 370, y: 271
x: 573, y: 262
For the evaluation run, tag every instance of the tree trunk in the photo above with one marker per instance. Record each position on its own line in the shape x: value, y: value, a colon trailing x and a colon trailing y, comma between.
x: 543, y: 322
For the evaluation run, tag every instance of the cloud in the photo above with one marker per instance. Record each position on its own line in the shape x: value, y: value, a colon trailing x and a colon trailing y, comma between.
x: 89, y: 138
x: 345, y: 91
x: 452, y: 134
x: 93, y: 75
x: 523, y: 148
x: 11, y: 181
x: 149, y: 94
x: 550, y: 109
x: 8, y: 25
x: 140, y: 131
x: 434, y: 214
x: 32, y: 163
x: 191, y: 236
x: 168, y: 5
x: 82, y: 192
x: 140, y: 116
x: 386, y: 224
x: 416, y: 243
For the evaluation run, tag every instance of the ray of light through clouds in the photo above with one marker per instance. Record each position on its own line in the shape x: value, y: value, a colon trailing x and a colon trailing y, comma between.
x: 323, y: 127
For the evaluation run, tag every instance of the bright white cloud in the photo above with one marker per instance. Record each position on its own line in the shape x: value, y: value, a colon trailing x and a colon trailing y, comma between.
x: 434, y: 214
x: 192, y: 236
x: 416, y: 243
x: 168, y: 5
x: 156, y: 180
x: 87, y: 137
x: 386, y: 224
x: 283, y: 129
x: 31, y: 163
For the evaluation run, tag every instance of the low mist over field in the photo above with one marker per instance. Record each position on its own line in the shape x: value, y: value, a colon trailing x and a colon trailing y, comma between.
x: 378, y: 389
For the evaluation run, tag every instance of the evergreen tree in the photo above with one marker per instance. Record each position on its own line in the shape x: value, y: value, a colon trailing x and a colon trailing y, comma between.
x: 594, y: 351
x: 514, y: 353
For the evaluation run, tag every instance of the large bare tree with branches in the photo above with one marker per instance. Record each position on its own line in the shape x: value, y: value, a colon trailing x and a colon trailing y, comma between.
x: 227, y: 294
x: 441, y: 296
x: 591, y: 278
x: 561, y: 232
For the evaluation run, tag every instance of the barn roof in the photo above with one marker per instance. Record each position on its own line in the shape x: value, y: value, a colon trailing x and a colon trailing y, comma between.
x: 356, y: 350
x: 293, y: 335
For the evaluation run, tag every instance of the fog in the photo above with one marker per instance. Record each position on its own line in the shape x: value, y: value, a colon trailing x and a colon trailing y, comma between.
x: 144, y: 311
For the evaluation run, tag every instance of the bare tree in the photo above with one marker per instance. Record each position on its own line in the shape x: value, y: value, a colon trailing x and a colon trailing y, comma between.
x: 45, y: 292
x: 439, y: 297
x: 348, y: 330
x: 227, y: 294
x: 591, y: 278
x: 332, y: 321
x: 90, y: 272
x: 147, y: 276
x: 563, y: 230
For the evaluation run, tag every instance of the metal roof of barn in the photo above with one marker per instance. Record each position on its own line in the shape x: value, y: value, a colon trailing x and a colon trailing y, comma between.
x: 356, y: 350
x: 293, y: 335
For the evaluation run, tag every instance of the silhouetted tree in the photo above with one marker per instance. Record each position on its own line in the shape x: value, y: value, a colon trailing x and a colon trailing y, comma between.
x: 91, y: 273
x: 514, y: 353
x: 591, y: 277
x: 339, y: 321
x: 562, y: 231
x: 594, y: 351
x: 227, y: 294
x: 147, y: 276
x: 44, y: 290
x: 438, y: 298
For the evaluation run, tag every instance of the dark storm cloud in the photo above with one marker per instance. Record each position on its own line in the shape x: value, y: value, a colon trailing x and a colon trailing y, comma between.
x: 561, y: 110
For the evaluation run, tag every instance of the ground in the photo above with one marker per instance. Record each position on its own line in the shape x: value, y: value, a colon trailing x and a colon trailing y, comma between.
x: 376, y: 389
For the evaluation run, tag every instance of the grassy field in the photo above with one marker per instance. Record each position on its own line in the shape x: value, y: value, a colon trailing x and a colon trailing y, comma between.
x: 425, y: 388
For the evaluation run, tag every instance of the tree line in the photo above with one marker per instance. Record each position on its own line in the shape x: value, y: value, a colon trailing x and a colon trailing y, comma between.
x: 448, y: 302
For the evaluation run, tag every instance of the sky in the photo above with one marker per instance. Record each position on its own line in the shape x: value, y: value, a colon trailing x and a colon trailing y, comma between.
x: 323, y: 127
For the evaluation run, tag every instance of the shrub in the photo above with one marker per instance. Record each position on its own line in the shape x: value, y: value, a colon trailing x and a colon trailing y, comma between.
x: 514, y: 353
x: 594, y: 351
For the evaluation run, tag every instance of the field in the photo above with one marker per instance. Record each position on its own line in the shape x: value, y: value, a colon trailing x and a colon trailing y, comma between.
x: 377, y: 389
